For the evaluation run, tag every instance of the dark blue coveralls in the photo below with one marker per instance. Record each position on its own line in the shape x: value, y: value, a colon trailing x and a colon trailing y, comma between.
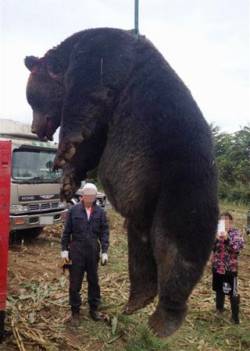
x: 82, y: 238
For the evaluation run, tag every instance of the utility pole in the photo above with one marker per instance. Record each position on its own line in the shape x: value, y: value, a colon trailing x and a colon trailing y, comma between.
x: 136, y: 29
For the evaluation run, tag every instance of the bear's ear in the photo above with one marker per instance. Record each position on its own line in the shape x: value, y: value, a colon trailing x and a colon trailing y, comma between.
x: 54, y: 68
x: 30, y: 62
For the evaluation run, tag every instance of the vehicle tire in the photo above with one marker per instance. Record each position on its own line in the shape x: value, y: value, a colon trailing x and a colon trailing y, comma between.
x: 25, y: 234
x: 32, y: 233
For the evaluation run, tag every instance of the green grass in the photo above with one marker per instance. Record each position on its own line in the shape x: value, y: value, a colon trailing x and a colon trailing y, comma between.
x: 144, y: 340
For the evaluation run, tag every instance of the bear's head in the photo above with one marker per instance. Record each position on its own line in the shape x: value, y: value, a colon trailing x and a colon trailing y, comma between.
x: 91, y: 67
x: 45, y: 92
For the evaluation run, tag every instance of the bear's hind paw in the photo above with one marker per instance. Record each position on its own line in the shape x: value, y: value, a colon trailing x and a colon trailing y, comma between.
x: 164, y: 323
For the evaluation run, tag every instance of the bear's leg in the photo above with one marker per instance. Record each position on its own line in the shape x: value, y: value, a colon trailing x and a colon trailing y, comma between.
x: 142, y: 268
x: 178, y: 272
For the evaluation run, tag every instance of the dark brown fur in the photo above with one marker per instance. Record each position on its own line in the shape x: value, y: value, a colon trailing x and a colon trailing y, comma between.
x: 124, y: 109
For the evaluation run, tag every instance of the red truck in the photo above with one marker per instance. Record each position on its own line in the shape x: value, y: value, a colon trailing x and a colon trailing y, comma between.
x: 5, y: 174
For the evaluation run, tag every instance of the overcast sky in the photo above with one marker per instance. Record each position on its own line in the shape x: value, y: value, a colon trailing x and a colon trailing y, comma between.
x: 205, y: 41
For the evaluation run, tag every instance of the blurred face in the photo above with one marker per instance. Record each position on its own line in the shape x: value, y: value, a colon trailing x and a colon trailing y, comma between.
x: 228, y: 222
x: 88, y: 200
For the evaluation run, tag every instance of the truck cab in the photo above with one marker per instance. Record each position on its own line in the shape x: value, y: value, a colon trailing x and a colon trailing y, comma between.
x: 35, y: 186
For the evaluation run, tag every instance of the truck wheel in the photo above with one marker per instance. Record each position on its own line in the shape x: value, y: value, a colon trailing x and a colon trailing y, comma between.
x: 25, y: 234
x: 32, y: 233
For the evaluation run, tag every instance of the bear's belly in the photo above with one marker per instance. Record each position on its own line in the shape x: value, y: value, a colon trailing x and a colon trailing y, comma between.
x: 131, y: 183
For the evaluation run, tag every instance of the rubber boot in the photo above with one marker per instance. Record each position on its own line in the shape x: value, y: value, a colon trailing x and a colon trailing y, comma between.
x: 235, y: 307
x: 220, y: 299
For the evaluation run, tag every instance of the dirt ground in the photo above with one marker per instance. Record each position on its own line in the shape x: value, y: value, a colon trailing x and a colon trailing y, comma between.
x: 38, y: 303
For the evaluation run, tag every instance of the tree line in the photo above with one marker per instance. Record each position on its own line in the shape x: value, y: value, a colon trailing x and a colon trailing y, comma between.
x: 232, y: 152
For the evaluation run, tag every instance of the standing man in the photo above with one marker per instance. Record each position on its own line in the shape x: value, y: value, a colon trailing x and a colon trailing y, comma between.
x: 86, y: 229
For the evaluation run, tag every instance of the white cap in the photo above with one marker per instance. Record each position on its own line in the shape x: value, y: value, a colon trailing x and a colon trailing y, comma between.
x: 88, y: 189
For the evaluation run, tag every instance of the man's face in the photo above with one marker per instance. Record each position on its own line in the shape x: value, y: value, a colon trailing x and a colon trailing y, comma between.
x: 88, y: 200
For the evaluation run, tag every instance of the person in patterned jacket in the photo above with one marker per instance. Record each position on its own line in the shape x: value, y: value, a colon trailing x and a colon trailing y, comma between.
x: 227, y: 247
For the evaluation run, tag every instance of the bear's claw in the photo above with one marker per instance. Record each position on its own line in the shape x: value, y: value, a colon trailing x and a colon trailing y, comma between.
x: 135, y: 304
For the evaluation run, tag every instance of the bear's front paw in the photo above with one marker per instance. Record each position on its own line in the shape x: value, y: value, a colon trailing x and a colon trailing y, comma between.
x: 67, y: 149
x: 70, y: 183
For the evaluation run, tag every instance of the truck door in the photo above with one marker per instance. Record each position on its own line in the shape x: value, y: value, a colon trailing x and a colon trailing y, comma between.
x: 5, y: 173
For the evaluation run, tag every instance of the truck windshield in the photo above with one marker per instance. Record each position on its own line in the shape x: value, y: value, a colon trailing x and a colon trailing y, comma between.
x: 29, y: 166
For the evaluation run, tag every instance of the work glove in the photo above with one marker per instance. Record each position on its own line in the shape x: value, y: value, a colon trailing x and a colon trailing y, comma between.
x: 65, y: 260
x: 104, y: 259
x: 65, y: 255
